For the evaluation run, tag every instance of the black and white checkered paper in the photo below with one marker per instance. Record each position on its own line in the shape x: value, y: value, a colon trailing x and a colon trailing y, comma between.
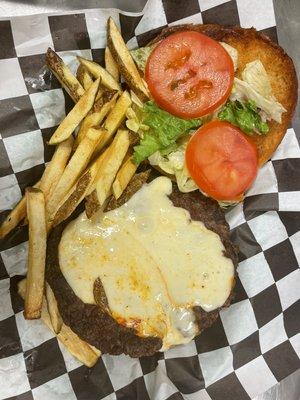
x: 256, y: 342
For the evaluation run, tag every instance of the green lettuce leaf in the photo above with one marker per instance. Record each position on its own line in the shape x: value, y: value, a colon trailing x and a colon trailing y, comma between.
x: 164, y: 130
x: 245, y: 116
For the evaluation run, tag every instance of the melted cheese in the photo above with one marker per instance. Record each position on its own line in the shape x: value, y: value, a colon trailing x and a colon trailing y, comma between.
x: 154, y: 262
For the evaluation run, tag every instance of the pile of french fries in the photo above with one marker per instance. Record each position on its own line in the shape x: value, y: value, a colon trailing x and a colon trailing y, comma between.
x: 94, y: 165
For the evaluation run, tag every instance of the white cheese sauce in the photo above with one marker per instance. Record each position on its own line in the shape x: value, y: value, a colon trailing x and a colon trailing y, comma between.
x: 154, y: 262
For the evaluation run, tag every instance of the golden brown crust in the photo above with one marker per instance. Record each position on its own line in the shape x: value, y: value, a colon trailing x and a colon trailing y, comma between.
x: 71, y: 202
x: 92, y: 204
x: 134, y: 185
x: 64, y: 75
x: 252, y: 45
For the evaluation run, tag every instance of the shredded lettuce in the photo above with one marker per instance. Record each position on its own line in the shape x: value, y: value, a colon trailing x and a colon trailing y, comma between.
x: 226, y: 204
x: 141, y: 55
x: 232, y: 52
x: 245, y: 116
x: 255, y: 75
x: 173, y: 163
x: 164, y: 130
x: 255, y: 85
x: 134, y: 120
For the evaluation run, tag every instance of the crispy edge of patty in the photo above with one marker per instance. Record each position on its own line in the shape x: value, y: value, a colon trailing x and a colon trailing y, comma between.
x: 252, y: 45
x: 95, y: 325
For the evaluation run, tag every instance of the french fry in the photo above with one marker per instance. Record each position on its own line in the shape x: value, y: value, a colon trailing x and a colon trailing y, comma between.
x: 64, y: 75
x: 110, y: 65
x: 14, y: 218
x: 77, y: 347
x: 56, y: 166
x: 100, y: 92
x: 76, y: 115
x: 36, y: 253
x: 124, y: 61
x: 18, y: 215
x: 82, y: 188
x: 75, y: 195
x: 45, y: 317
x: 80, y: 349
x: 134, y: 185
x: 84, y: 77
x: 95, y: 350
x: 99, y: 72
x: 114, y: 120
x: 111, y: 165
x: 56, y: 320
x: 48, y: 181
x: 118, y: 113
x: 92, y: 204
x: 99, y: 111
x: 123, y: 177
x: 75, y: 167
x: 134, y: 138
x: 22, y: 288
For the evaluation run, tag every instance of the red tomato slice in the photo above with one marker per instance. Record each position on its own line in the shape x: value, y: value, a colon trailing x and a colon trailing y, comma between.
x: 189, y: 74
x: 221, y: 160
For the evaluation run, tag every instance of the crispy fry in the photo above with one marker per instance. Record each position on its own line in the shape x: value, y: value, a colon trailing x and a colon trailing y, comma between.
x: 64, y: 75
x: 77, y: 347
x: 56, y: 166
x: 36, y: 253
x: 124, y: 60
x: 123, y: 177
x: 78, y: 192
x: 118, y: 113
x: 100, y: 92
x: 95, y: 350
x: 84, y: 77
x: 75, y: 167
x: 48, y: 181
x: 55, y: 317
x: 99, y: 72
x: 80, y: 349
x: 114, y: 120
x: 73, y: 198
x: 134, y: 138
x: 45, y: 317
x: 111, y: 164
x: 134, y: 185
x: 99, y: 111
x: 22, y: 288
x: 110, y: 65
x: 76, y: 115
x: 14, y: 218
x: 92, y: 204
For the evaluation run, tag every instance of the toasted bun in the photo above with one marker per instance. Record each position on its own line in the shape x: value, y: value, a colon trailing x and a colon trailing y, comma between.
x: 252, y: 45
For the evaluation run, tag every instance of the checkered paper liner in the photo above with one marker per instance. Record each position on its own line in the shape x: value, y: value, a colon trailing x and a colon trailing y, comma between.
x: 256, y: 342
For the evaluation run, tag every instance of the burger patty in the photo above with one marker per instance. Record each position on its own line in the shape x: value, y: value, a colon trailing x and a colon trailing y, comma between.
x: 92, y: 323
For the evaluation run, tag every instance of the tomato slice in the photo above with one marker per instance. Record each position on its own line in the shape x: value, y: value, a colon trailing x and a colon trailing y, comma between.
x: 221, y: 160
x: 189, y: 74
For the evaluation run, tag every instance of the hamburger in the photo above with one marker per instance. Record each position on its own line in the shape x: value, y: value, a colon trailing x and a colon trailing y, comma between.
x: 147, y: 266
x: 155, y: 267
